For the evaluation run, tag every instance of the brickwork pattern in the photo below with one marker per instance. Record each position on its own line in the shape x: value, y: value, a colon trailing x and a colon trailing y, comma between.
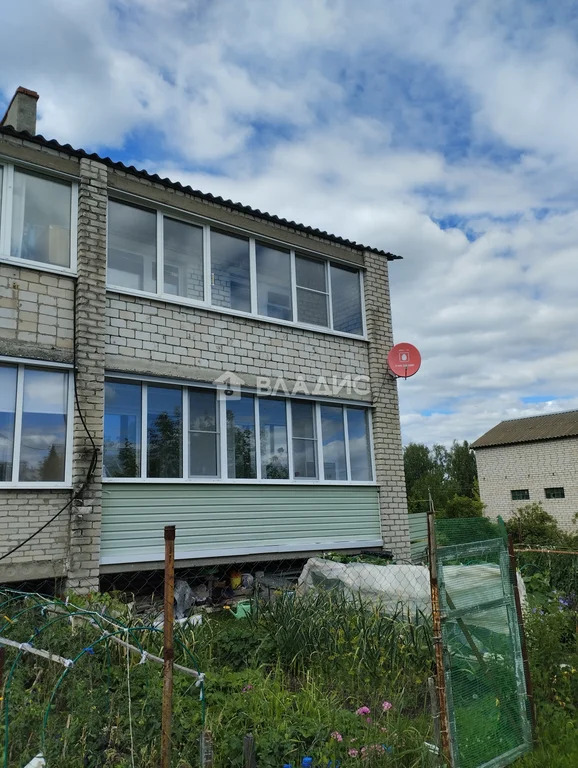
x: 36, y: 314
x: 535, y: 466
x: 22, y: 513
x: 166, y: 339
x: 386, y: 426
x: 89, y: 359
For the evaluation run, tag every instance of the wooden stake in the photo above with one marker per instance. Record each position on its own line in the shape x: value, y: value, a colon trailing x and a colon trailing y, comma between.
x: 249, y: 755
x: 168, y: 646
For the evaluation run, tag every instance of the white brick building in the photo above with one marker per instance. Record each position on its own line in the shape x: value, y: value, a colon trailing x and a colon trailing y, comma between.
x: 529, y: 460
x: 124, y: 299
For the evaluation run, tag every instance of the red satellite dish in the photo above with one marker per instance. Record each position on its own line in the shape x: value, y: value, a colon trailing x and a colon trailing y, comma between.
x: 404, y: 360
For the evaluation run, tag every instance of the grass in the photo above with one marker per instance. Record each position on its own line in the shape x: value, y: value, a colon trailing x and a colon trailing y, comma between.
x: 294, y: 674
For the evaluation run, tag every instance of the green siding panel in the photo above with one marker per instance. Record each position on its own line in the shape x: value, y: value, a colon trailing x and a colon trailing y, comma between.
x: 215, y: 520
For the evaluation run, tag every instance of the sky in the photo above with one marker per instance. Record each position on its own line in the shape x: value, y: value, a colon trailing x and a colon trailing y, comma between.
x: 444, y: 132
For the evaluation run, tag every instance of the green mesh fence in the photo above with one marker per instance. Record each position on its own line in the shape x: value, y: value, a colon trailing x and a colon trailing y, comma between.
x: 465, y: 530
x: 489, y: 719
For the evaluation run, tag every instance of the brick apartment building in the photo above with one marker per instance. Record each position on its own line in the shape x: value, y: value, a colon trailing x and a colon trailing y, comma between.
x: 169, y: 357
x: 535, y: 459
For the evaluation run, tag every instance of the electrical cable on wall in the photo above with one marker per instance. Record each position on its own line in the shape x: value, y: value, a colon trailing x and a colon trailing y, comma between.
x: 91, y: 468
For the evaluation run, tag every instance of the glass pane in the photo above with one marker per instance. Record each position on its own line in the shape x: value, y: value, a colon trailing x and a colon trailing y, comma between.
x: 241, y: 456
x: 183, y: 244
x: 203, y: 457
x: 203, y: 410
x: 273, y: 428
x: 122, y: 429
x: 302, y: 416
x: 304, y: 458
x: 359, y: 444
x: 132, y: 247
x: 230, y: 280
x: 203, y: 434
x: 312, y: 307
x: 310, y: 273
x: 41, y: 220
x: 346, y: 300
x: 164, y: 432
x: 43, y: 441
x: 334, y: 461
x: 274, y: 283
x: 8, y: 374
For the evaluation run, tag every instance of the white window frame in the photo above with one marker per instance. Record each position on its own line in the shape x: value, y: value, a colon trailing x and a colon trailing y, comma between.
x: 7, y: 199
x: 21, y: 365
x: 223, y: 477
x: 178, y: 215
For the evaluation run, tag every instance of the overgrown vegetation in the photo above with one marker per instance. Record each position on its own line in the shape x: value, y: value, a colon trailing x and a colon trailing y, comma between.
x: 449, y: 475
x: 316, y: 676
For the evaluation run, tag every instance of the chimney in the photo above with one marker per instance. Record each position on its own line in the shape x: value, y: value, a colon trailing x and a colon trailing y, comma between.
x: 21, y: 112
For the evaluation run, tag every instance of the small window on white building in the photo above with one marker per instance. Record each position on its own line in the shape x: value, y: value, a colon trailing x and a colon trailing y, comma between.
x: 554, y: 493
x: 521, y: 494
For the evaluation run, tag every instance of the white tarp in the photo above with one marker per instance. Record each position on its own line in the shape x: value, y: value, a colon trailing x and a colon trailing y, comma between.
x: 392, y: 585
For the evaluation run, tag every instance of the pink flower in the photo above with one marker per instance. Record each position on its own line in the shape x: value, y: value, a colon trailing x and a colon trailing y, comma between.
x: 247, y: 688
x: 368, y: 719
x: 337, y: 736
x: 363, y: 711
x: 352, y: 752
x: 386, y: 705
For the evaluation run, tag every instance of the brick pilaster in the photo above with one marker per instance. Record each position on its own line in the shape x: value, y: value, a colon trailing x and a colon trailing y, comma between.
x: 89, y: 358
x: 386, y: 427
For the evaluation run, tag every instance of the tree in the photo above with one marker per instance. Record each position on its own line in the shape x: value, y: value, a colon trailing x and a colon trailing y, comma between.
x: 532, y: 525
x: 52, y: 468
x: 164, y: 445
x: 450, y: 476
x: 463, y: 506
x: 462, y: 469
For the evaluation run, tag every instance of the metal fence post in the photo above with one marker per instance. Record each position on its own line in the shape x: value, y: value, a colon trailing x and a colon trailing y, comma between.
x: 523, y: 643
x: 168, y: 646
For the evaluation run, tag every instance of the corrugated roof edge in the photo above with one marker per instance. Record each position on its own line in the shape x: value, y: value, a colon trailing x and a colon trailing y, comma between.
x: 483, y: 442
x: 154, y: 177
x: 475, y: 447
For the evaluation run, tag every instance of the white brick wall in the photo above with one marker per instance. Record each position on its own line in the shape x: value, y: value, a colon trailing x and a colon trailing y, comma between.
x: 535, y: 466
x: 36, y: 311
x: 152, y: 336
